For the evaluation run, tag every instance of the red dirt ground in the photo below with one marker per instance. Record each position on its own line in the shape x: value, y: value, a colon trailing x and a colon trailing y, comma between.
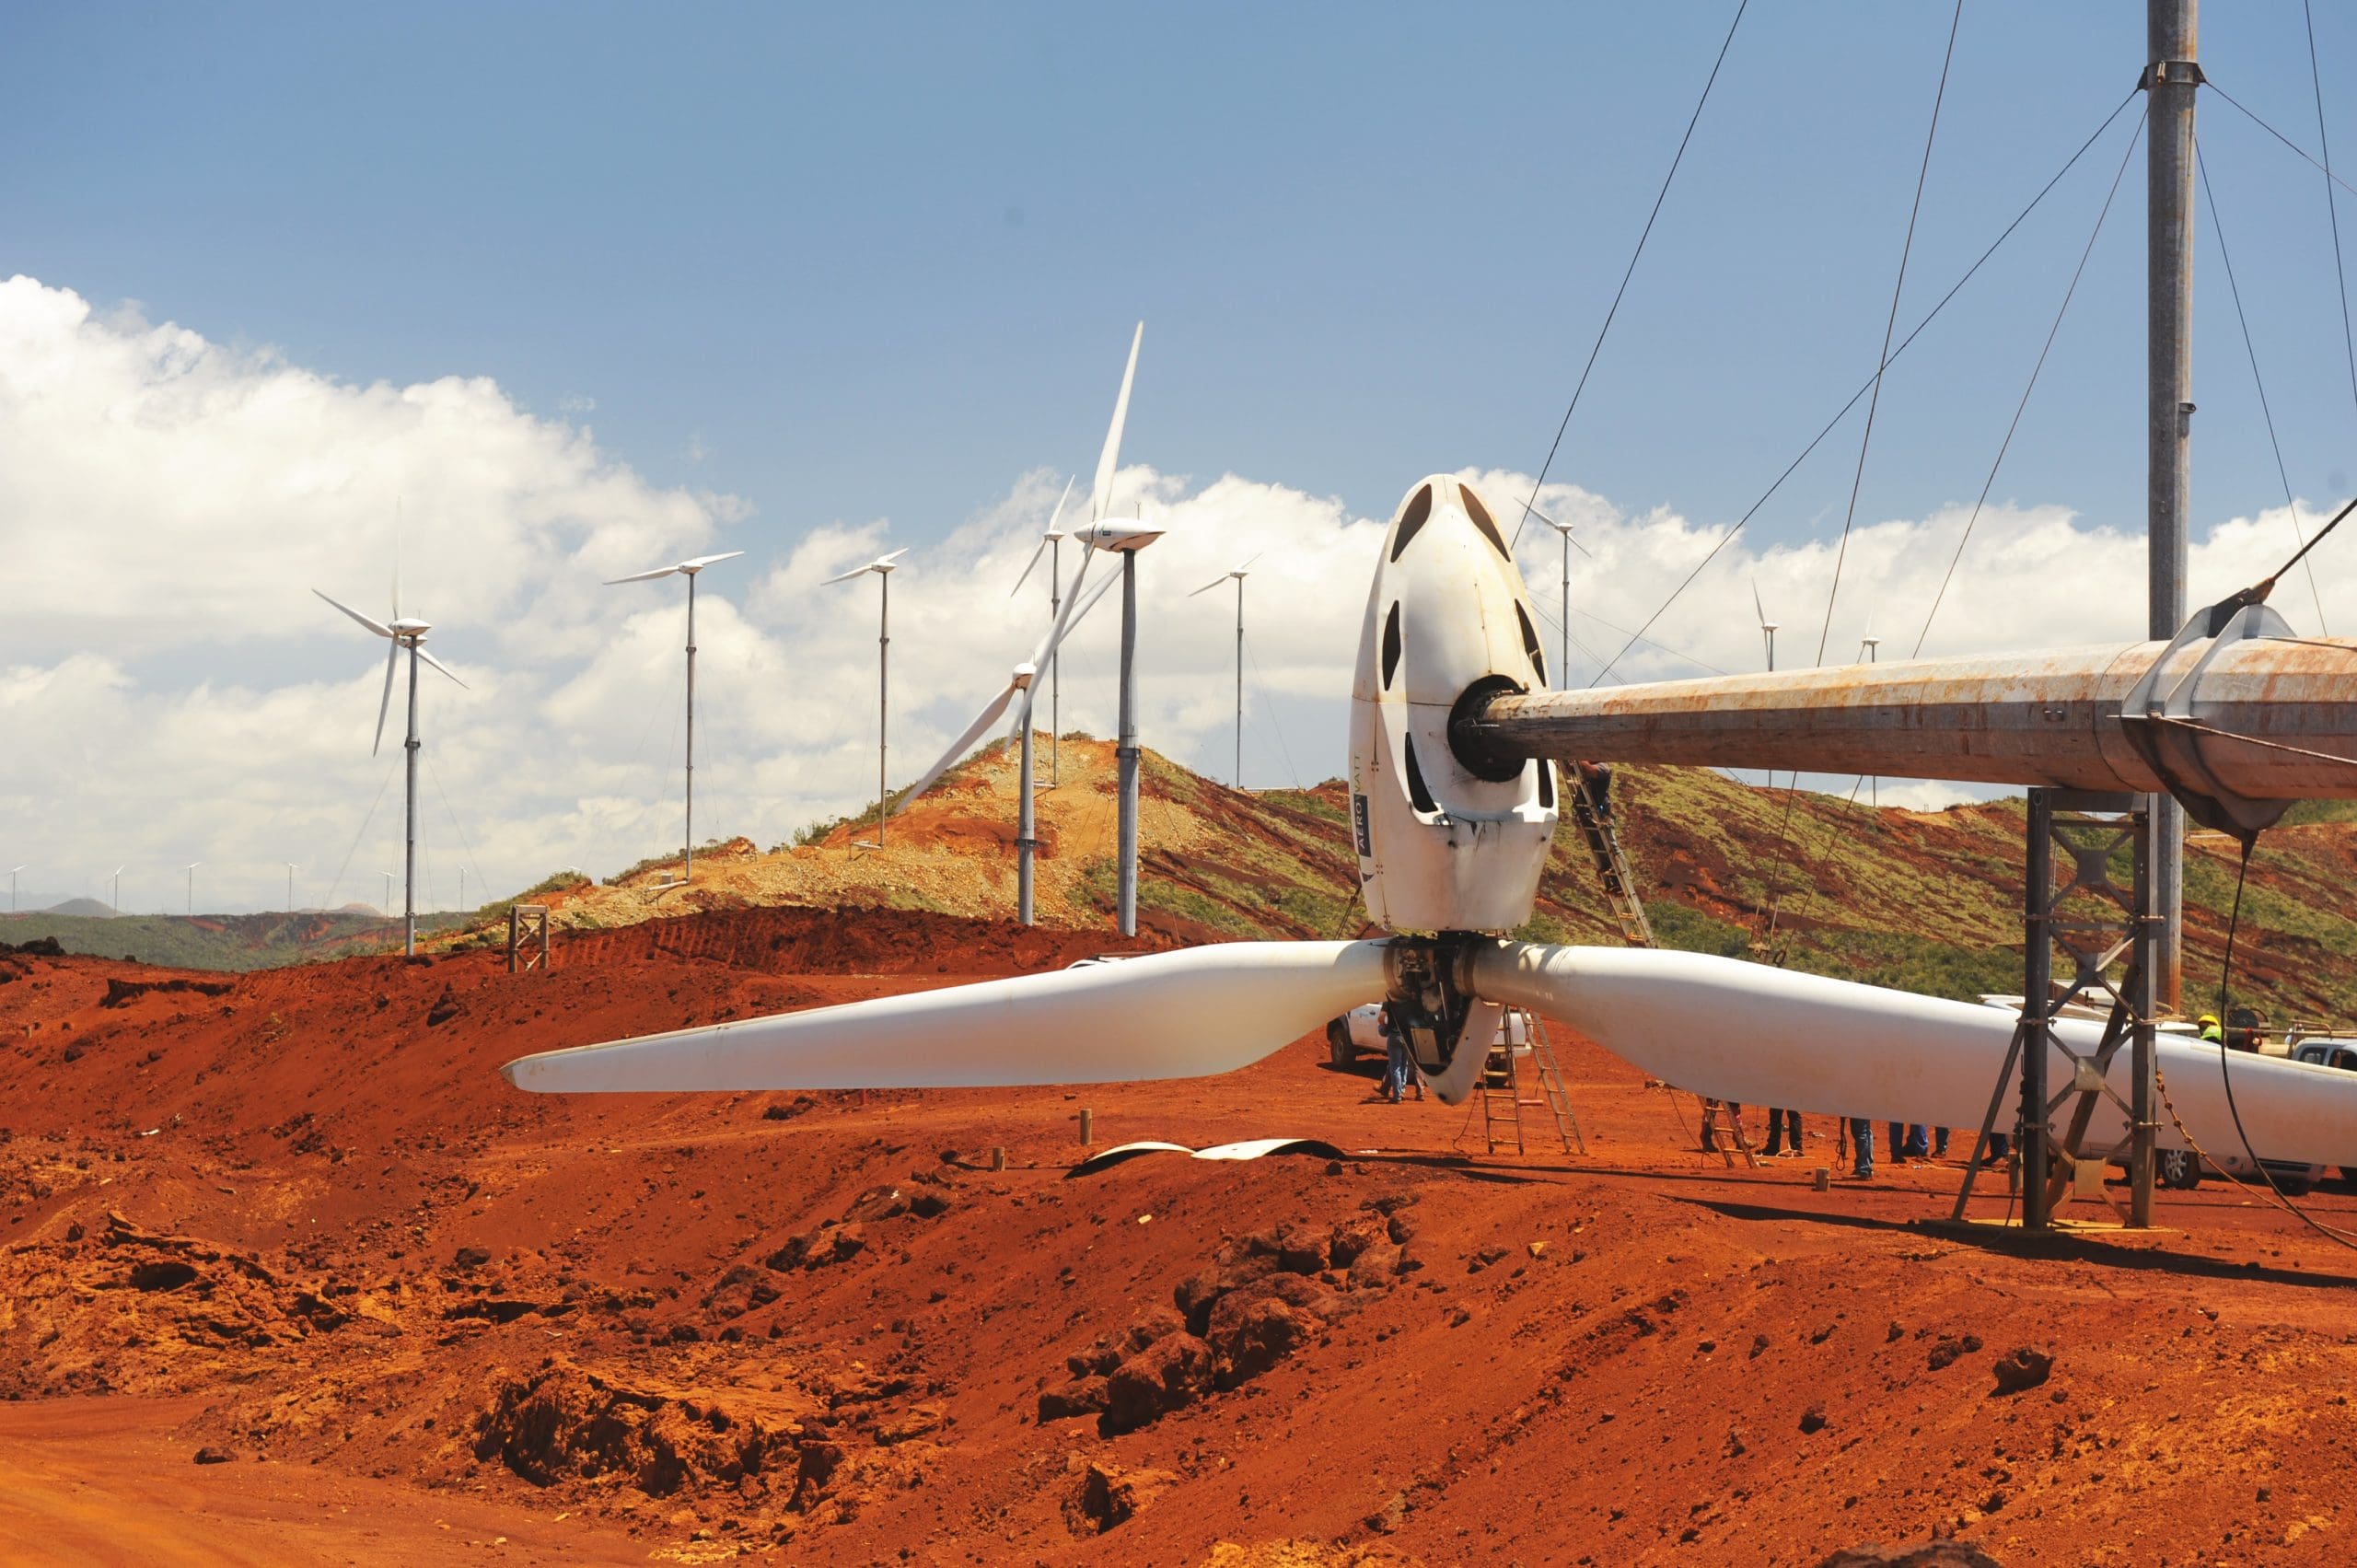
x: 303, y: 1220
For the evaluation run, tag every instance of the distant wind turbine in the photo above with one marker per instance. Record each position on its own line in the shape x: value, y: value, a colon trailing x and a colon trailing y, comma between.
x: 1238, y: 573
x: 883, y: 566
x: 388, y: 905
x: 190, y: 869
x: 12, y: 886
x: 1564, y: 670
x: 291, y: 869
x: 1870, y: 650
x: 402, y: 633
x: 1767, y: 627
x: 114, y: 899
x: 1052, y: 543
x: 686, y: 569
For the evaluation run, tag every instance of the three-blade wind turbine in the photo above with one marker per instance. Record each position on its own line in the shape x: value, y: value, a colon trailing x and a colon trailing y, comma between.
x: 12, y: 886
x: 114, y: 899
x: 1453, y: 812
x: 883, y: 566
x: 387, y: 906
x: 686, y: 569
x: 190, y: 869
x: 1870, y: 650
x: 1767, y: 627
x: 1238, y: 573
x: 1051, y: 544
x: 400, y: 633
x: 1562, y: 669
x: 291, y: 869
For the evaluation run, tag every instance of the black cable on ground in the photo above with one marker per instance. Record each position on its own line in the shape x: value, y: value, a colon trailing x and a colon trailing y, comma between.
x: 1843, y: 412
x: 2226, y: 258
x: 1889, y: 325
x: 1659, y: 197
x: 2225, y: 973
x: 2022, y: 407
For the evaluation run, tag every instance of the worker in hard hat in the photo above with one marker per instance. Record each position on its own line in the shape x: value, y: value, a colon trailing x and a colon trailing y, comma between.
x: 2210, y: 1029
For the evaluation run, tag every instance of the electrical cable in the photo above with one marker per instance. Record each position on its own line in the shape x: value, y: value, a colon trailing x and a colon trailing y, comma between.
x: 1269, y: 711
x: 1843, y: 412
x: 2225, y: 974
x: 2218, y: 227
x: 2022, y: 407
x: 1890, y: 325
x: 435, y: 774
x: 1659, y: 197
x: 2245, y: 109
x: 2331, y: 203
x: 328, y: 902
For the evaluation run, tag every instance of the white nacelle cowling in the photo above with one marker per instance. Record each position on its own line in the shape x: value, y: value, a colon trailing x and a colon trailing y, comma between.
x: 1440, y: 849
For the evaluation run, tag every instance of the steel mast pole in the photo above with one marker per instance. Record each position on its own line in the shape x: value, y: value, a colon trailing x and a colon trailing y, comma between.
x: 1024, y: 844
x: 1126, y: 752
x: 1563, y: 670
x: 409, y: 864
x: 1239, y: 680
x: 688, y: 870
x: 1055, y: 668
x: 2171, y: 77
x: 883, y: 696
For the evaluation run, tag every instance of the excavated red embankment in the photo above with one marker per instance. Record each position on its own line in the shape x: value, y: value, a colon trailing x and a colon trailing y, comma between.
x: 302, y: 1220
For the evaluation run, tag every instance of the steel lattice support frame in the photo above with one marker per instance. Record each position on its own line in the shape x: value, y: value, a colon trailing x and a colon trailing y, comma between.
x: 2074, y: 908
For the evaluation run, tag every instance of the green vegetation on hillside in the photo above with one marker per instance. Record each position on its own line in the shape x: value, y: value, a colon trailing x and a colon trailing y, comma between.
x: 232, y: 943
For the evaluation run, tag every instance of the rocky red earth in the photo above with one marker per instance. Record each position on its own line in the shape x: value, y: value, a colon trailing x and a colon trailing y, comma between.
x: 299, y: 1225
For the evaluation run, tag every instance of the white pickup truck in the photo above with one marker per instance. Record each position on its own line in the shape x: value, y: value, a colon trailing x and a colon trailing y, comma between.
x: 1361, y: 1029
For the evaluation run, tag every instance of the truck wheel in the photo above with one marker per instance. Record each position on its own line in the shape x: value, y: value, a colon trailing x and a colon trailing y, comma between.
x: 1338, y: 1049
x: 2180, y: 1169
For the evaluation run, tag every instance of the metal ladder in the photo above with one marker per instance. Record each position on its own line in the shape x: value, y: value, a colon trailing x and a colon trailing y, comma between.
x: 1592, y: 814
x: 1504, y: 1098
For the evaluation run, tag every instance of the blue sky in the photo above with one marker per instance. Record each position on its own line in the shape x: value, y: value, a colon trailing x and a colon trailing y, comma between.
x: 858, y: 261
x: 834, y: 280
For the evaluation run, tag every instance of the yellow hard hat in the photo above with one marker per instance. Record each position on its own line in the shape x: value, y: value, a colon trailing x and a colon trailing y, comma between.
x: 2209, y: 1018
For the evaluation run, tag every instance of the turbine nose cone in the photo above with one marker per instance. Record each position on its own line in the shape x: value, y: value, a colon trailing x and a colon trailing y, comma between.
x: 1024, y: 673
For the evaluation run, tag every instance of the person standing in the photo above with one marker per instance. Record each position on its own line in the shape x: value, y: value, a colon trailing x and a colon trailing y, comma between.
x: 1784, y: 1128
x: 1862, y: 1139
x: 1398, y: 1063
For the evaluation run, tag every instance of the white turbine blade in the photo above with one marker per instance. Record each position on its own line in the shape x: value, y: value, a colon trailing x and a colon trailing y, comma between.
x: 888, y: 559
x: 1076, y: 608
x: 642, y: 576
x: 1182, y: 1015
x: 1758, y: 608
x: 701, y: 561
x: 1212, y: 584
x: 377, y: 626
x: 443, y: 667
x: 392, y: 657
x: 1248, y: 563
x: 1108, y: 461
x: 1026, y: 567
x: 960, y: 746
x: 847, y: 577
x: 1761, y: 1036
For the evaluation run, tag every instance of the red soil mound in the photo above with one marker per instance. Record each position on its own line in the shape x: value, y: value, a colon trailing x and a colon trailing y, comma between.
x: 304, y: 1221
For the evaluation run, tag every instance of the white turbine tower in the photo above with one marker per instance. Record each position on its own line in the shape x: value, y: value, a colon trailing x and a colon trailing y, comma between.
x: 1125, y: 537
x: 190, y: 869
x: 291, y: 869
x: 12, y: 886
x: 686, y: 569
x: 402, y: 633
x: 1021, y: 684
x: 1051, y: 544
x: 386, y: 907
x: 114, y: 899
x: 1238, y: 573
x: 1564, y: 670
x: 883, y: 566
x: 1870, y: 650
x: 1767, y: 627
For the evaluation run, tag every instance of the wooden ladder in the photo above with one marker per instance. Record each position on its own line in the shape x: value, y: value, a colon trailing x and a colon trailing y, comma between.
x: 1504, y: 1097
x: 1722, y: 1127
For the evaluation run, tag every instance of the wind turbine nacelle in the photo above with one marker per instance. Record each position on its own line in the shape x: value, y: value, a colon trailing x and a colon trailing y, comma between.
x: 1442, y: 847
x: 1120, y: 534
